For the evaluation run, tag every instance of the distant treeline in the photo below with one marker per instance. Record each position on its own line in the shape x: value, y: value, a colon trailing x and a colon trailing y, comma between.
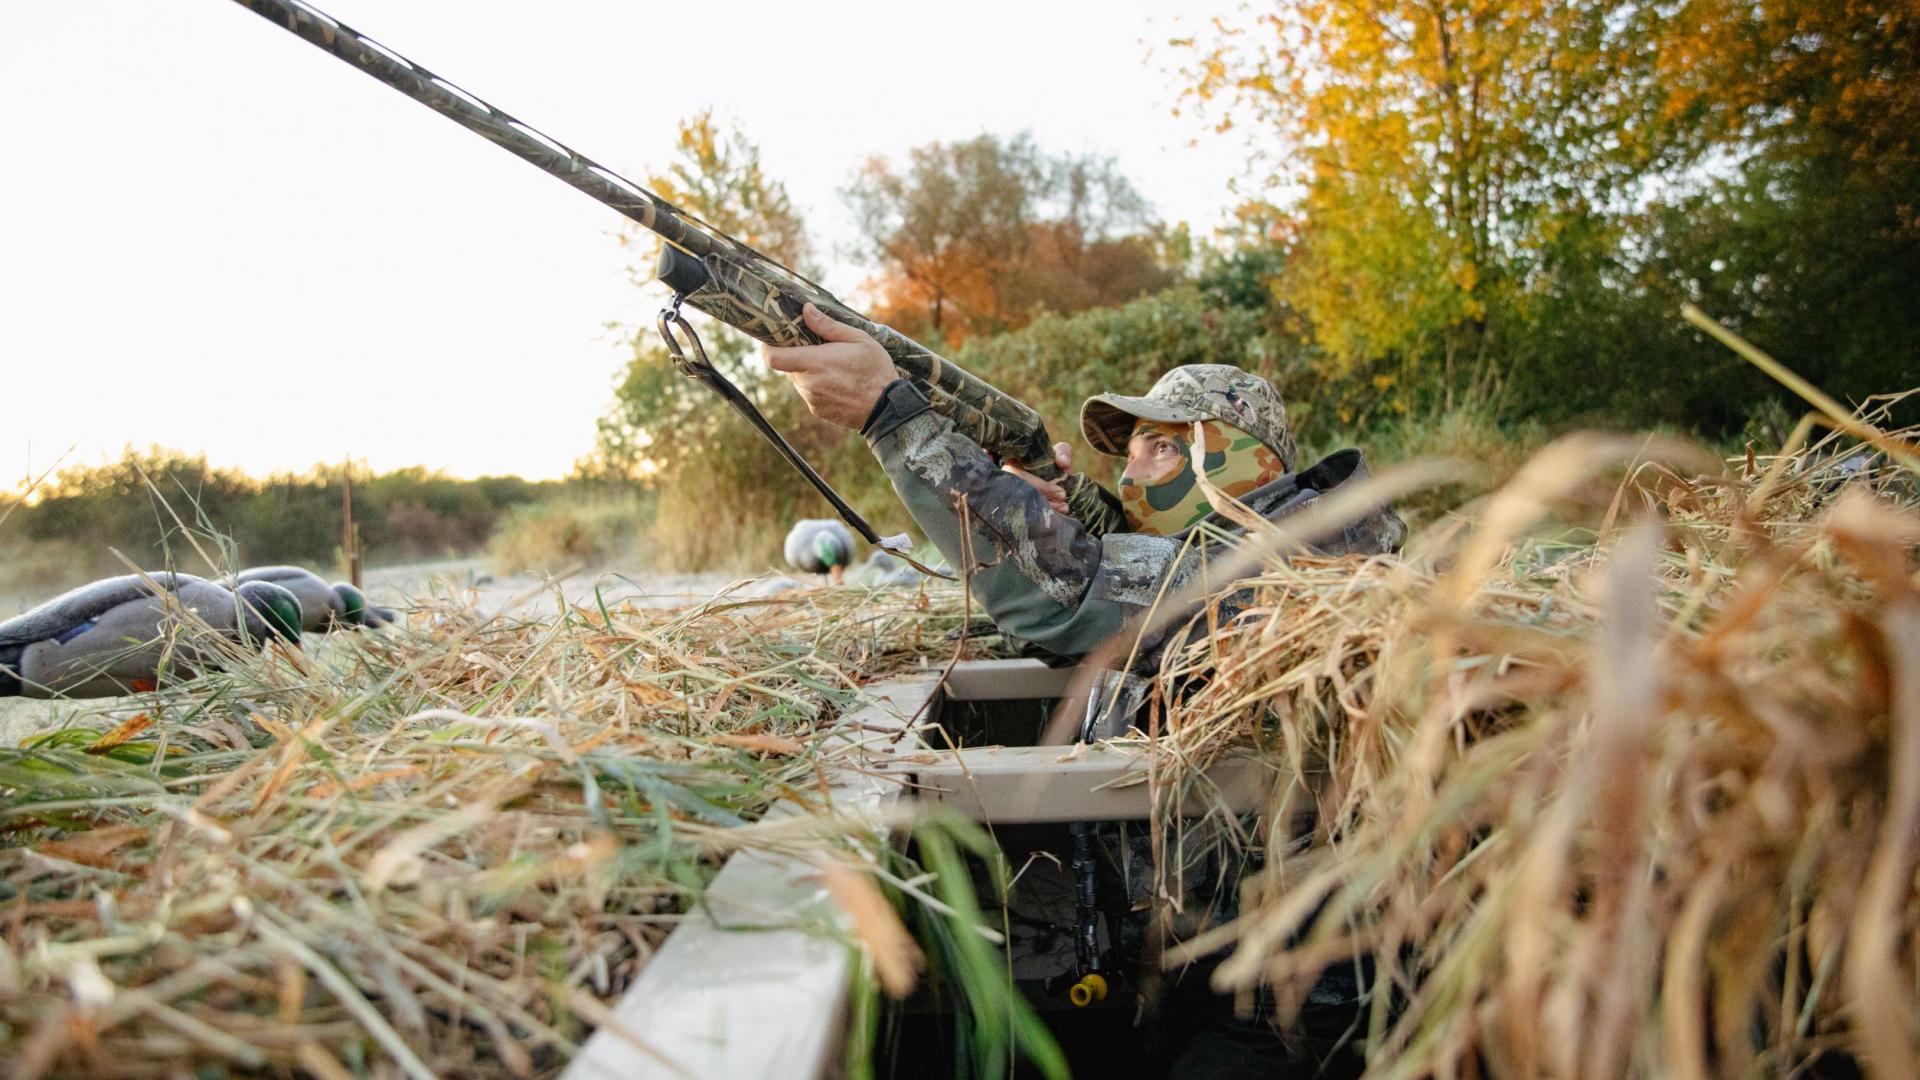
x: 149, y: 504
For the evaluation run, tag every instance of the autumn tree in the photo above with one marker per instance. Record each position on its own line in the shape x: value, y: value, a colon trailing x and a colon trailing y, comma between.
x: 980, y: 235
x: 1525, y: 191
x: 1440, y: 147
x: 1811, y: 242
x: 1797, y: 224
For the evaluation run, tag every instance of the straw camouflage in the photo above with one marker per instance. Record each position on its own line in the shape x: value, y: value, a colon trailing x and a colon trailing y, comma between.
x: 1186, y: 394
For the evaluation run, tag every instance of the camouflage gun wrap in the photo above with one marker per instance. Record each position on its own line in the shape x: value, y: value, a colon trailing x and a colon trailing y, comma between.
x: 744, y: 296
x: 715, y: 273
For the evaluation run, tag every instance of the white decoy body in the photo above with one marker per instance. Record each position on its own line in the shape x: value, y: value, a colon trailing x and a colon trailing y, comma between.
x: 117, y: 636
x: 819, y: 546
x: 323, y: 607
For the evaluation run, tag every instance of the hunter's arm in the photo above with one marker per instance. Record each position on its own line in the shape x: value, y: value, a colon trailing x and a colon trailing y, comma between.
x: 1042, y: 576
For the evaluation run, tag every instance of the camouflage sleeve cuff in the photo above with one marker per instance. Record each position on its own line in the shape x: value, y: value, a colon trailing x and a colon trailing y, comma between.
x: 900, y: 402
x: 938, y: 471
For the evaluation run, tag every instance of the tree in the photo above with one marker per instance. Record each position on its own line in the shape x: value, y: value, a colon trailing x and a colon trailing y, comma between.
x: 659, y: 418
x: 1056, y: 362
x: 979, y: 236
x: 1525, y: 191
x: 719, y: 178
x: 1812, y: 243
x: 724, y: 493
x: 160, y: 508
x: 1438, y: 147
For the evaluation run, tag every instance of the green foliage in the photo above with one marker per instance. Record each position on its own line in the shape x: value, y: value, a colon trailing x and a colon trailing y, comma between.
x: 1510, y: 202
x: 995, y: 1025
x: 1819, y: 258
x: 1472, y: 431
x: 575, y: 529
x: 1438, y: 149
x: 122, y: 501
x: 718, y: 176
x: 722, y: 496
x: 1057, y: 361
x: 149, y: 505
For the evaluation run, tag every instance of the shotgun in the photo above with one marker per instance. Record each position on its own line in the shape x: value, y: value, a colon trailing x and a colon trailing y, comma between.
x: 725, y: 278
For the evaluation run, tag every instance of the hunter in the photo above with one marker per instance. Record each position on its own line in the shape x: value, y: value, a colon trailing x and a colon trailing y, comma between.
x: 1042, y: 575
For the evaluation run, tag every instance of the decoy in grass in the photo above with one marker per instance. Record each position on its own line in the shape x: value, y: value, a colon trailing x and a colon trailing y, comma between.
x: 117, y: 636
x: 324, y: 607
x: 820, y: 546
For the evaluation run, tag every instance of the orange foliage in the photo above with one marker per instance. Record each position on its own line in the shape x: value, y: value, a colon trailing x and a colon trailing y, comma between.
x: 979, y: 237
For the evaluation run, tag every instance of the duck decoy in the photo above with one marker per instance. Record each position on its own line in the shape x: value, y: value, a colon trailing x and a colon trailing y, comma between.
x: 820, y: 546
x: 114, y: 636
x: 324, y: 607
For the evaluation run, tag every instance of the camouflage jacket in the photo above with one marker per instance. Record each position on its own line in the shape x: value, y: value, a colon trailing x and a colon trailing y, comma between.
x: 1045, y: 577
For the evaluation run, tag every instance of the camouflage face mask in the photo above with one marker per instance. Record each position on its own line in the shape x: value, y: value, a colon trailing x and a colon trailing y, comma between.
x: 1236, y: 463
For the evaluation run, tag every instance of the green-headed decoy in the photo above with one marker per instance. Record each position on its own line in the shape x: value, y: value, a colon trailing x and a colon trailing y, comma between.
x: 113, y: 637
x: 325, y: 607
x: 819, y: 546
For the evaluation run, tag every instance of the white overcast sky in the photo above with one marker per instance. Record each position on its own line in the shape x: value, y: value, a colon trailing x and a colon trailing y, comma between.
x: 217, y: 238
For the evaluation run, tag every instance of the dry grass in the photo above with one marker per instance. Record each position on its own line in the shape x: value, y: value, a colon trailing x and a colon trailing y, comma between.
x: 1608, y: 777
x: 424, y: 853
x: 570, y: 531
x: 1616, y: 773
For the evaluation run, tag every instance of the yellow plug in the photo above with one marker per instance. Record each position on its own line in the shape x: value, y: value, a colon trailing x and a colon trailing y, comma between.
x: 1090, y: 989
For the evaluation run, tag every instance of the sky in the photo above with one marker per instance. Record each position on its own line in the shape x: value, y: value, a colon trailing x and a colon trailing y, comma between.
x: 215, y: 237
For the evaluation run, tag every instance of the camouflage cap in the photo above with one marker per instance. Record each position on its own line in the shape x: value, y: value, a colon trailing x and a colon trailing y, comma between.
x: 1194, y: 392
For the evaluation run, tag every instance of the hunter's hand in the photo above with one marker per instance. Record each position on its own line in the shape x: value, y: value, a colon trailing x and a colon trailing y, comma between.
x: 1055, y: 495
x: 840, y: 379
